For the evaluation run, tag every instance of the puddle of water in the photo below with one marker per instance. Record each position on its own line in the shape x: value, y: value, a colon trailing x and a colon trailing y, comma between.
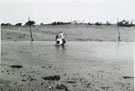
x: 73, y: 51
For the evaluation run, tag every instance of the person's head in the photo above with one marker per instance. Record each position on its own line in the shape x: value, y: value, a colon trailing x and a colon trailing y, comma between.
x: 60, y: 31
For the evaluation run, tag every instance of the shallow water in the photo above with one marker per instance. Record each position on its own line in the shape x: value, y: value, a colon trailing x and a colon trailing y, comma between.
x: 73, y: 51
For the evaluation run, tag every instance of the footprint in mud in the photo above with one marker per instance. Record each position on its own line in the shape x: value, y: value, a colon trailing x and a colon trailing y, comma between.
x: 2, y: 71
x: 52, y: 78
x: 62, y: 86
x: 127, y: 77
x: 47, y: 67
x: 72, y: 82
x: 16, y: 66
x: 21, y: 37
x: 9, y: 38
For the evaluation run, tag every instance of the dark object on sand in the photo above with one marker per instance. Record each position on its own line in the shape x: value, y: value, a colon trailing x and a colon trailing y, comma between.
x: 62, y: 86
x: 72, y: 82
x: 16, y: 66
x: 52, y: 78
x: 127, y: 77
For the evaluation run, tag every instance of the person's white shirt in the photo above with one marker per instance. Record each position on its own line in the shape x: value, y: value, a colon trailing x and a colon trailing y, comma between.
x: 61, y: 35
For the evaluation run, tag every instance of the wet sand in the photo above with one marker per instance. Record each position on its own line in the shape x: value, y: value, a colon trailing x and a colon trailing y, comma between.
x: 79, y: 66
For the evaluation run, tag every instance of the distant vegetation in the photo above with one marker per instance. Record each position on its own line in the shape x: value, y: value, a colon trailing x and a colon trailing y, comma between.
x: 108, y: 23
x: 89, y: 23
x: 18, y: 24
x: 30, y: 23
x: 98, y: 23
x: 125, y: 23
x: 60, y: 23
x: 6, y: 24
x: 42, y: 24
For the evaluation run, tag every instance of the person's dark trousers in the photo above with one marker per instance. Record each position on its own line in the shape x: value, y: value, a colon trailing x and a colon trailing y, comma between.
x: 64, y: 41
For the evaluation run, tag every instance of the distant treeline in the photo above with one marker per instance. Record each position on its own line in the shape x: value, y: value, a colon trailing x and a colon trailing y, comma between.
x: 60, y: 23
x: 123, y: 23
x: 19, y: 24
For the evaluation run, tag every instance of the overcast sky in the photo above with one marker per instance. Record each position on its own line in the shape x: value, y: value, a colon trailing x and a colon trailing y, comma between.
x: 47, y: 11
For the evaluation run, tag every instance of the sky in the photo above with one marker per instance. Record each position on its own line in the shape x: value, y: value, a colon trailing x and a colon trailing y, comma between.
x: 47, y: 11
